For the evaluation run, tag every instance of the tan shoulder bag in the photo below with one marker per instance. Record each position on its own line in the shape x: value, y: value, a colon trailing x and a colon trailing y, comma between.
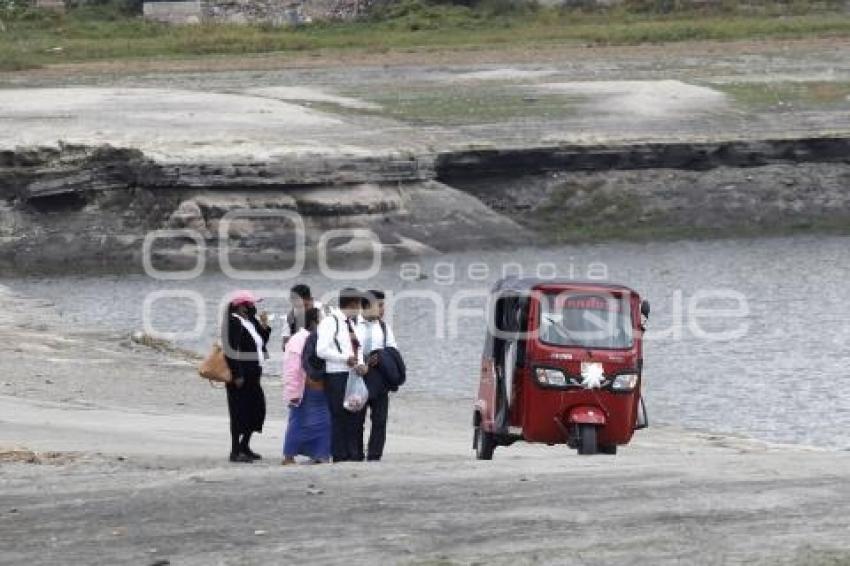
x: 214, y: 367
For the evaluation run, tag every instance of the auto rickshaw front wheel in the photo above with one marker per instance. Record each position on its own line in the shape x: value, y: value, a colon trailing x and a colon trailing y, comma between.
x: 587, y: 444
x: 485, y: 444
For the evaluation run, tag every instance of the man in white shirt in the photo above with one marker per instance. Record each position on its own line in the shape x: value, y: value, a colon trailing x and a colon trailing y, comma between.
x: 374, y: 334
x: 337, y: 344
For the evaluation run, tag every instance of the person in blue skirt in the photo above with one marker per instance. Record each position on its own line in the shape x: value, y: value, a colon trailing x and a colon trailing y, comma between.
x: 308, y: 432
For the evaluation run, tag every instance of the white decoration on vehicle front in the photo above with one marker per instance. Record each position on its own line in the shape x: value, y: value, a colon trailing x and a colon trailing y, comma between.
x: 592, y: 375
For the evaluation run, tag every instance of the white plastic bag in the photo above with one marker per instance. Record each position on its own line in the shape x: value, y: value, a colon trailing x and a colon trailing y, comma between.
x: 356, y: 393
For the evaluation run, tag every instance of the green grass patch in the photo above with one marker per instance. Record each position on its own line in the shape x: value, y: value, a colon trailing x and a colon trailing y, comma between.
x: 34, y: 38
x: 461, y: 104
x: 790, y: 95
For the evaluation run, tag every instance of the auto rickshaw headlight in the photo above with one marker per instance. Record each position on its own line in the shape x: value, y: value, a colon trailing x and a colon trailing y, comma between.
x: 625, y: 382
x: 549, y: 376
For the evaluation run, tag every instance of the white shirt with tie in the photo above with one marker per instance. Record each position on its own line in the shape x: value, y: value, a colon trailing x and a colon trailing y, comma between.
x: 336, y: 359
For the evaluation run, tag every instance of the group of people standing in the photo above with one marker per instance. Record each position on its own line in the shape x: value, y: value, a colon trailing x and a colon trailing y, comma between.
x: 328, y: 352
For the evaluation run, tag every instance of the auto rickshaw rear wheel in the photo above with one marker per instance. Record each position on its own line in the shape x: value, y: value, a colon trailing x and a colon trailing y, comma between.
x: 608, y: 449
x: 485, y: 444
x: 587, y: 439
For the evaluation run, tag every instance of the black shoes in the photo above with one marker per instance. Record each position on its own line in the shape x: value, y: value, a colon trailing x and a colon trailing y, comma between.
x: 251, y: 454
x: 244, y: 455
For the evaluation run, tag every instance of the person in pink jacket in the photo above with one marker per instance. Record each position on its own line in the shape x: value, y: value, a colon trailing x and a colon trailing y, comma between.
x: 308, y: 431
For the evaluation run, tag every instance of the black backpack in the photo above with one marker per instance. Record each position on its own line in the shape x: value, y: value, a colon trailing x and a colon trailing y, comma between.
x: 313, y: 365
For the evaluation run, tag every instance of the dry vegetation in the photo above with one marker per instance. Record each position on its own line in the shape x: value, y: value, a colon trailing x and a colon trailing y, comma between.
x: 32, y: 38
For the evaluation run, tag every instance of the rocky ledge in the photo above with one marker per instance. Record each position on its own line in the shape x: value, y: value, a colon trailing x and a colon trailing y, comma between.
x: 76, y: 208
x: 73, y: 208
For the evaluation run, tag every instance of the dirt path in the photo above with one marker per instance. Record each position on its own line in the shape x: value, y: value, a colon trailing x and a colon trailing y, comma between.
x: 159, y: 491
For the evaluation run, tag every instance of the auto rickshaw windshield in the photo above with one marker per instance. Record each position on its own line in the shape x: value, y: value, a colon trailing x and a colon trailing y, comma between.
x: 588, y: 320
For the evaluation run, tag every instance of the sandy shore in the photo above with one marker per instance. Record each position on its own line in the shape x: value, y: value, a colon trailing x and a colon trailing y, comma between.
x: 121, y: 459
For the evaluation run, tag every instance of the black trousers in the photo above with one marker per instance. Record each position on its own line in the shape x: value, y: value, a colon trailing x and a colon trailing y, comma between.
x: 379, y: 409
x: 344, y: 424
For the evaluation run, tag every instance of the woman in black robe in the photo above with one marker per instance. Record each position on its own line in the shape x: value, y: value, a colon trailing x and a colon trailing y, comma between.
x: 246, y: 339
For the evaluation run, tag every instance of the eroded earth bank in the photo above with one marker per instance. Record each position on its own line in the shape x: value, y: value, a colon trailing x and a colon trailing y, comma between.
x: 648, y: 142
x: 91, y: 208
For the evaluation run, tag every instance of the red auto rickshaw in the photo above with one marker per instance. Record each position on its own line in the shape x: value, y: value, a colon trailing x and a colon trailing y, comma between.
x: 561, y: 365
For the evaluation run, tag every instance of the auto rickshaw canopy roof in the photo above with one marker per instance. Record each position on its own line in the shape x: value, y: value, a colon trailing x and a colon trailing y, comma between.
x: 523, y: 285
